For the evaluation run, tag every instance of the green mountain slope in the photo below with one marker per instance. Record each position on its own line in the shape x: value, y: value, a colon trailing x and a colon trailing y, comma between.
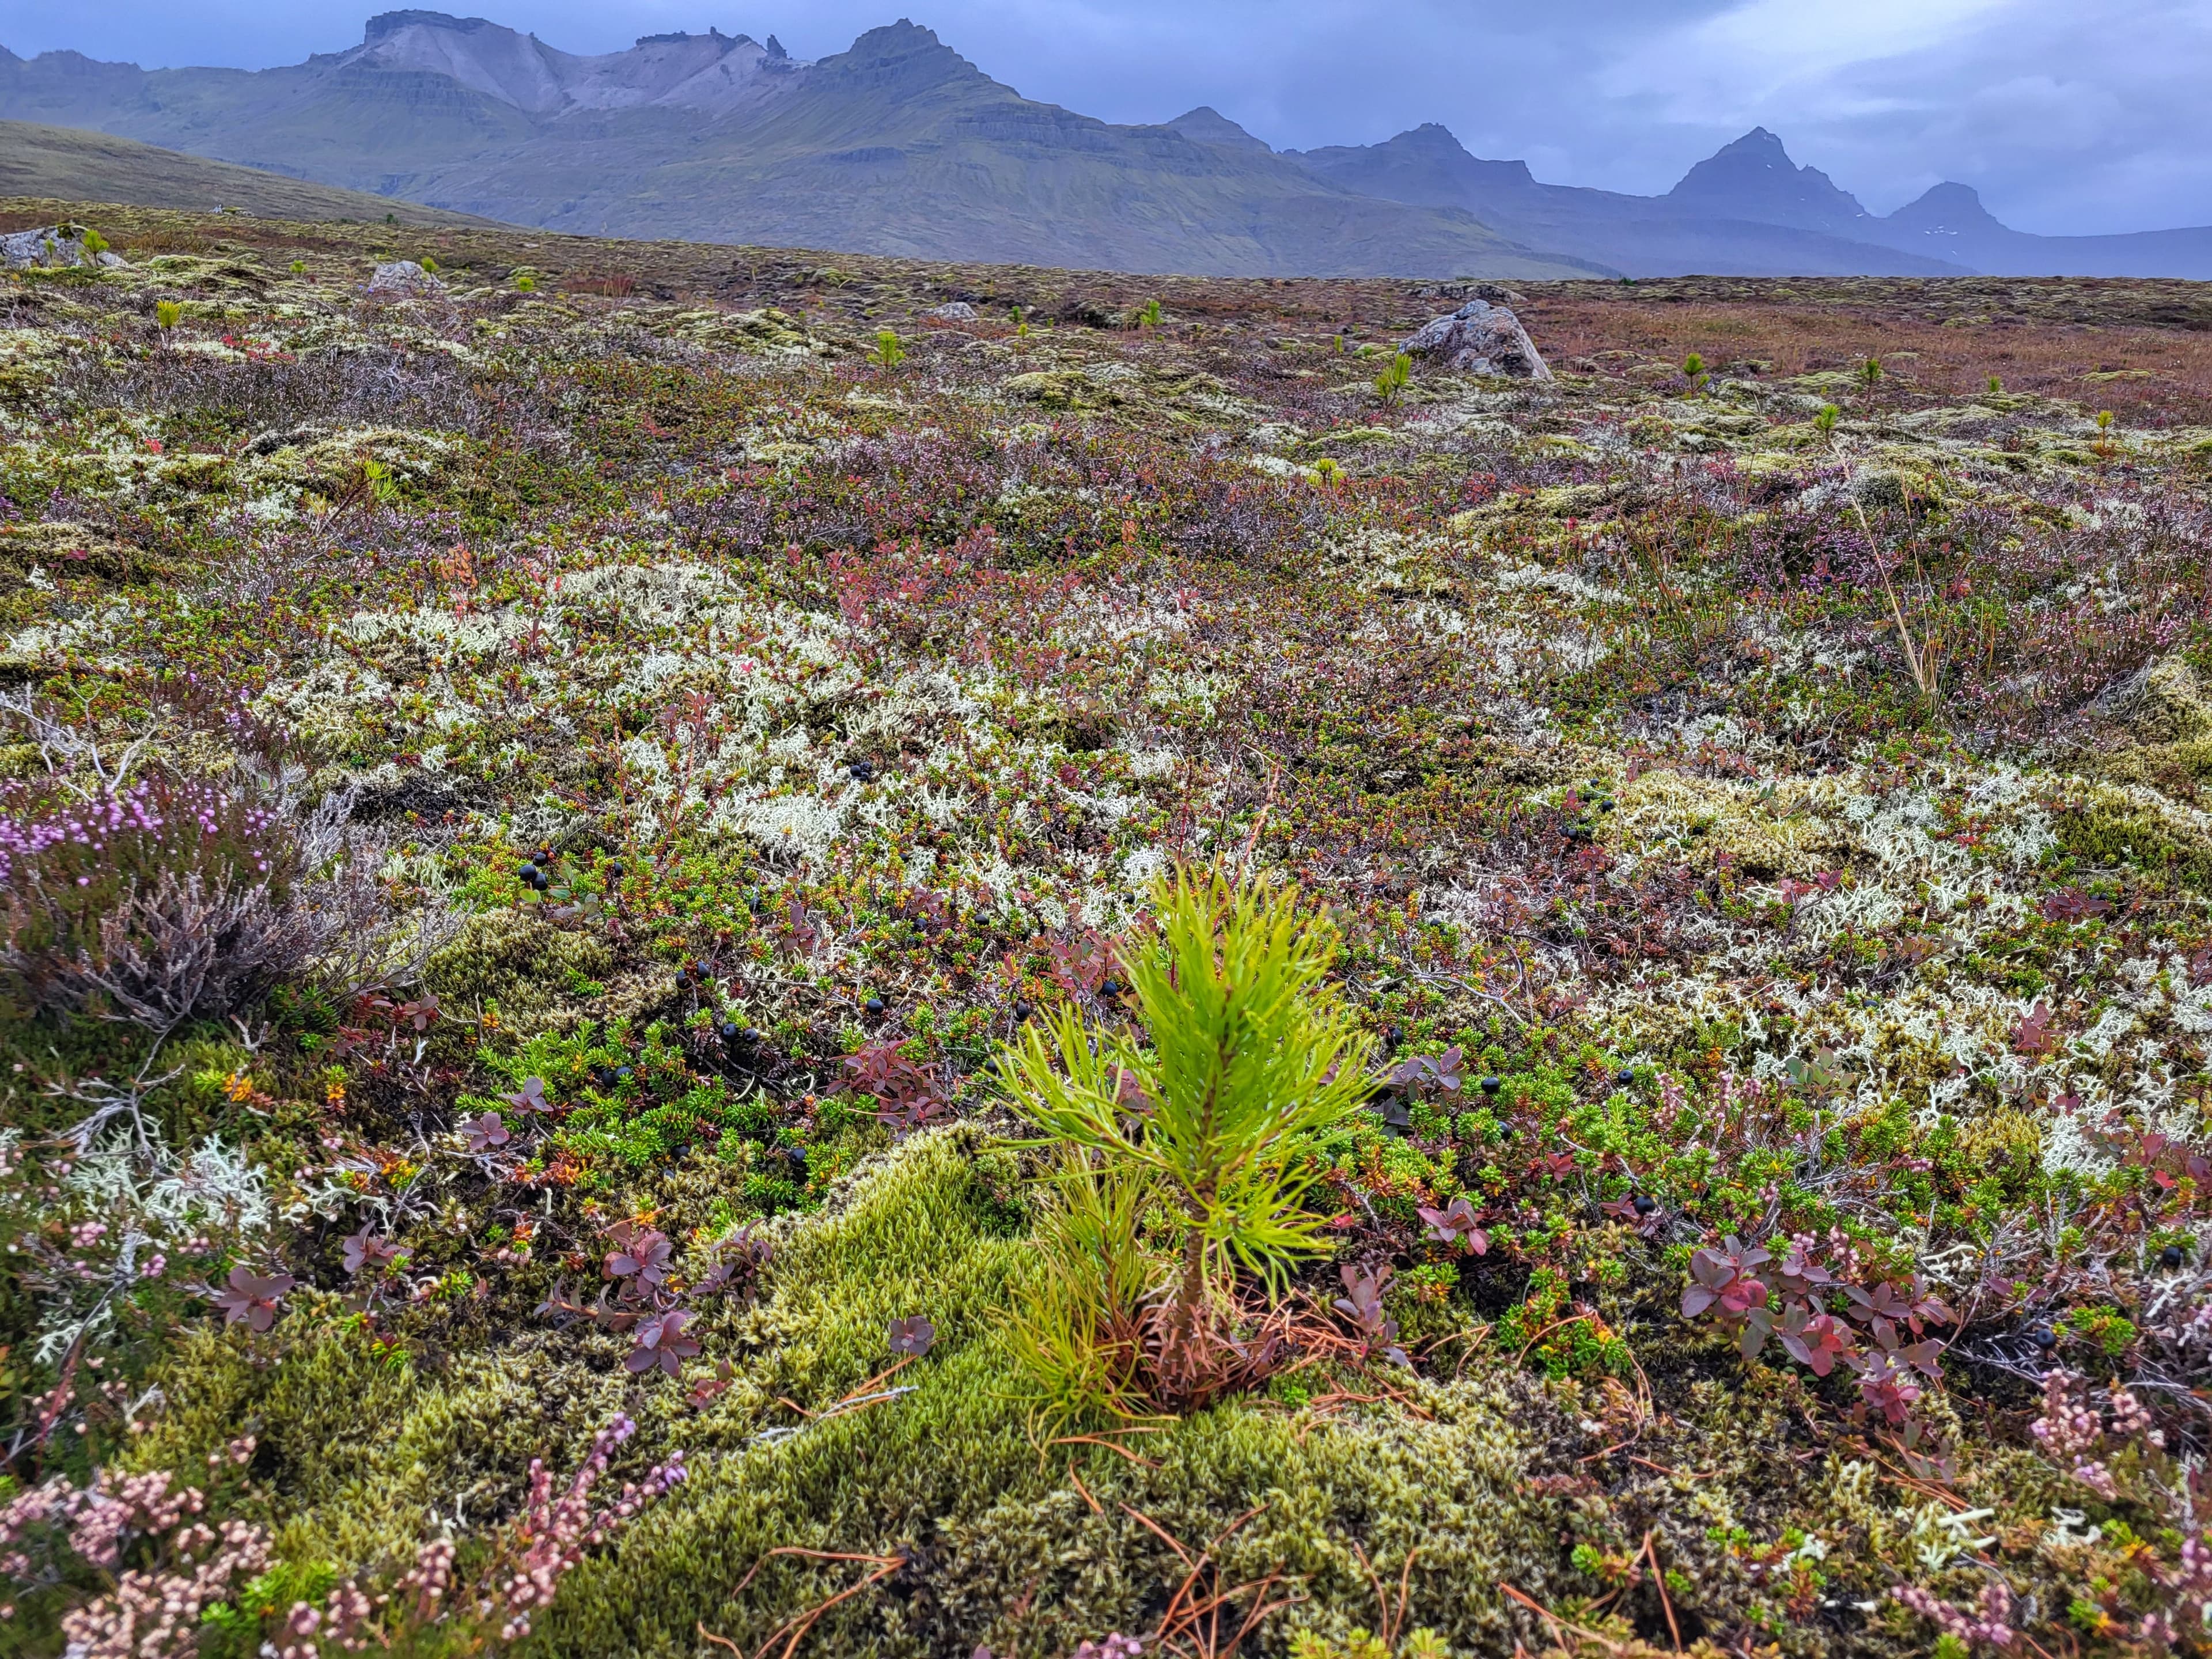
x: 72, y: 165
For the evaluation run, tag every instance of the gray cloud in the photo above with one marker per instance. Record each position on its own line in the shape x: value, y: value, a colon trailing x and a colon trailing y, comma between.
x: 2066, y: 118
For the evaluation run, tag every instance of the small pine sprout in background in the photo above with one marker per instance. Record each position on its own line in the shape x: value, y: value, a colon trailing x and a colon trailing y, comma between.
x: 888, y: 353
x: 376, y: 477
x: 429, y: 264
x: 1148, y: 315
x: 95, y: 244
x: 1869, y: 372
x: 1393, y: 379
x: 168, y: 313
x: 1995, y: 384
x: 526, y: 283
x: 1693, y: 370
x: 1825, y: 422
x: 298, y: 265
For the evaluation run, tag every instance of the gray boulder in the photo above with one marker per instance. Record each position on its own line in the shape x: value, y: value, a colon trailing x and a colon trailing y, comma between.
x: 52, y: 247
x: 953, y: 311
x: 1478, y: 338
x: 403, y: 276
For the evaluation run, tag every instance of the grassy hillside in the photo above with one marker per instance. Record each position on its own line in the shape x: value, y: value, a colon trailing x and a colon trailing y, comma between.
x: 72, y: 165
x: 620, y: 743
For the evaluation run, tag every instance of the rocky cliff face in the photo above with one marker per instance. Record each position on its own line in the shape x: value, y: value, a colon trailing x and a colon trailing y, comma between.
x: 712, y: 71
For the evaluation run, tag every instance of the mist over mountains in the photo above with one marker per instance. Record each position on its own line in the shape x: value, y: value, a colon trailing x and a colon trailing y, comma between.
x: 901, y: 146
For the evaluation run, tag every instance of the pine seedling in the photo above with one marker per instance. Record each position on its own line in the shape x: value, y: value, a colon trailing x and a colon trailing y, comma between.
x: 1252, y: 1052
x: 167, y: 314
x: 1825, y: 422
x: 887, y: 352
x: 1693, y: 370
x: 1394, y: 378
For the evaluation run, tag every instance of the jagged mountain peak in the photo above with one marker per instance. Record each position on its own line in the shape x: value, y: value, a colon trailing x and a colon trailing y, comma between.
x: 1752, y: 178
x: 712, y: 71
x: 902, y: 59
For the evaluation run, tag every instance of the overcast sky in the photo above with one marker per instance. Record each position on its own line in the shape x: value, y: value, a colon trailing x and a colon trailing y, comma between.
x: 2067, y: 115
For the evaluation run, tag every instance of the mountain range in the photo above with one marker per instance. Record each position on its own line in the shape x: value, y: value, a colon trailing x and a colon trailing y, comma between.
x: 899, y: 145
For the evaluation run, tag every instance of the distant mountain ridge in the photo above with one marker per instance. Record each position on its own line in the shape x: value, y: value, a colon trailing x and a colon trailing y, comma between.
x: 899, y: 145
x: 1747, y: 209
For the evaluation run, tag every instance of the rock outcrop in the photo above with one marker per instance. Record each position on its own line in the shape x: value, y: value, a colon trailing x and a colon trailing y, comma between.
x: 53, y: 248
x: 1478, y: 338
x: 403, y: 276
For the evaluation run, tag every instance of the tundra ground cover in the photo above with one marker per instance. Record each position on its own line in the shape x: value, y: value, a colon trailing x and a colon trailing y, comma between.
x: 655, y: 746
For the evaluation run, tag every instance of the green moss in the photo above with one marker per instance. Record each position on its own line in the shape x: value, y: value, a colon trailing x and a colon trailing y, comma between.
x: 2116, y: 831
x: 515, y: 963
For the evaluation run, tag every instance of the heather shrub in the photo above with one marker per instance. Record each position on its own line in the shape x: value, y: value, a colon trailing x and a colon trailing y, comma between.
x: 165, y: 899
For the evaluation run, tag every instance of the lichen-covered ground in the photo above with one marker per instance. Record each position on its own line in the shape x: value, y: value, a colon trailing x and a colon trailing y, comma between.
x: 1772, y: 794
